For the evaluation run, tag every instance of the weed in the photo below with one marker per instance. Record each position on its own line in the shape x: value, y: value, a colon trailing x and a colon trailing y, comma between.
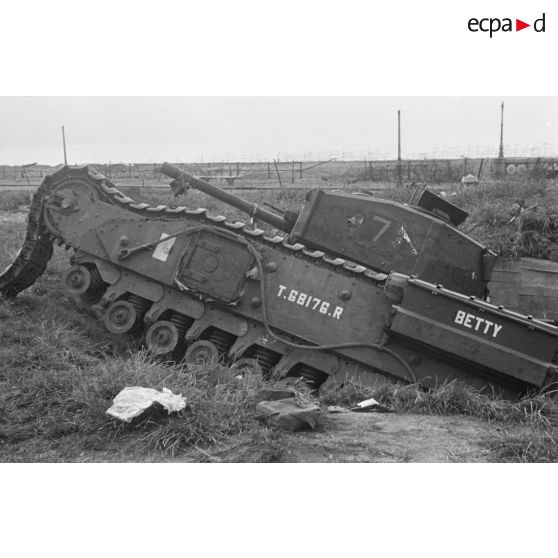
x: 14, y: 199
x: 530, y: 446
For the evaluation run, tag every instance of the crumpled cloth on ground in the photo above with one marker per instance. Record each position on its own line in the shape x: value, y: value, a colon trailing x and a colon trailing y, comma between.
x: 133, y: 401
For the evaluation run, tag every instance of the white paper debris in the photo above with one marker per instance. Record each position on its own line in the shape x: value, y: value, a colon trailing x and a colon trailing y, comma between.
x: 163, y: 249
x: 370, y: 405
x: 133, y: 401
x: 367, y: 403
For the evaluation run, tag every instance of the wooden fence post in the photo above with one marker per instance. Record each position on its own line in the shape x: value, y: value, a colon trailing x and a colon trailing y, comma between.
x: 277, y: 171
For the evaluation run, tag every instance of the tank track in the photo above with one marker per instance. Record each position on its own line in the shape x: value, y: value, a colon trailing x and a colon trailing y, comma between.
x: 200, y: 215
x: 34, y: 255
x: 37, y: 248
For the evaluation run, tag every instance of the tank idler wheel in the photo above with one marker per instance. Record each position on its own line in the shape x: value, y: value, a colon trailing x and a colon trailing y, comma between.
x: 120, y: 317
x: 162, y: 337
x: 77, y: 280
x: 202, y: 352
x: 248, y: 365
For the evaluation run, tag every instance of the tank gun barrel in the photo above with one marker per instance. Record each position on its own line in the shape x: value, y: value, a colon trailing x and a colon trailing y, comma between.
x: 252, y: 209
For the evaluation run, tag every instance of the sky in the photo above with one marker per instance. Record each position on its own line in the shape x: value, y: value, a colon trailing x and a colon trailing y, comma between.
x: 194, y: 129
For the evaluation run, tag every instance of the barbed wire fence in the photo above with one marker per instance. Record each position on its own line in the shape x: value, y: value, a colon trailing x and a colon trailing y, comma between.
x: 341, y: 167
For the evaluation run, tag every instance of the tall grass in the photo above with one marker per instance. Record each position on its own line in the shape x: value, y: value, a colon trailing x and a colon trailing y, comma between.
x: 531, y: 445
x: 14, y: 199
x: 73, y: 399
x: 491, y: 215
x: 59, y: 373
x: 450, y: 398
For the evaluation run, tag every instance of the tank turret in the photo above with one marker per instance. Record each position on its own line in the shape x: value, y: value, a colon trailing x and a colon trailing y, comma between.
x: 421, y: 240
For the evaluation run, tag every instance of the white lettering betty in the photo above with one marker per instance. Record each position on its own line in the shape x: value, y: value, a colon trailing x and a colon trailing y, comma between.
x: 478, y: 324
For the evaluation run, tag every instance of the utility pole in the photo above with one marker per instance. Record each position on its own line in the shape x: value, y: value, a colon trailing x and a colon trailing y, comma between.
x: 399, y: 179
x: 399, y: 135
x: 501, y: 151
x: 64, y: 144
x: 500, y: 163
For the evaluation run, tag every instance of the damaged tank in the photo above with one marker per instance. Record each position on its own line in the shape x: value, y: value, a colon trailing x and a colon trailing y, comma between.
x: 418, y: 240
x: 354, y: 292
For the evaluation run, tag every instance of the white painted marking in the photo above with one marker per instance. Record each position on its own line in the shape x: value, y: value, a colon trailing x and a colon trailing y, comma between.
x: 497, y: 328
x: 163, y: 249
x: 474, y: 322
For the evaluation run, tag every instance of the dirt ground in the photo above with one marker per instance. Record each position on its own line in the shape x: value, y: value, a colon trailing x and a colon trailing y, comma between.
x: 357, y: 437
x: 383, y: 438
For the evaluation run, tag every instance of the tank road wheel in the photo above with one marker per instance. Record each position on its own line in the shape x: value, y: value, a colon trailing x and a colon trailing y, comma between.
x: 120, y: 317
x: 202, y: 352
x: 162, y: 337
x: 77, y: 280
x: 243, y: 366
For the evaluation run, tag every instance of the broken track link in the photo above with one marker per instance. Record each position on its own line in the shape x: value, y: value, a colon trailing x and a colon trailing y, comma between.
x: 33, y: 257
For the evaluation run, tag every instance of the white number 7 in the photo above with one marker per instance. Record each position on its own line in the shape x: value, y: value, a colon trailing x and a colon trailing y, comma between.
x: 386, y: 224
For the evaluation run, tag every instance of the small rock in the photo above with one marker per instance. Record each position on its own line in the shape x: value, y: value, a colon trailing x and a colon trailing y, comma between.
x: 286, y: 414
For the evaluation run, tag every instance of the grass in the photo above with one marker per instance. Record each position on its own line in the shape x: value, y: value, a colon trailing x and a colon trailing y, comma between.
x: 529, y: 446
x: 14, y: 199
x: 490, y: 208
x: 67, y: 399
x: 450, y: 398
x: 529, y: 424
x: 58, y: 377
x: 55, y: 386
